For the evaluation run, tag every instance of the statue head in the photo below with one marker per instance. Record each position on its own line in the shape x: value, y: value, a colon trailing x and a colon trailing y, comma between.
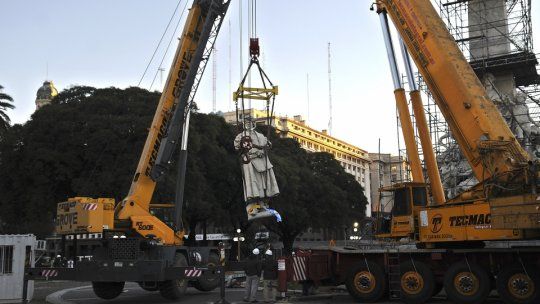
x: 249, y: 124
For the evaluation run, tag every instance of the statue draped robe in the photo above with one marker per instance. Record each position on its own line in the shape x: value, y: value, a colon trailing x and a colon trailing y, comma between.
x: 257, y: 171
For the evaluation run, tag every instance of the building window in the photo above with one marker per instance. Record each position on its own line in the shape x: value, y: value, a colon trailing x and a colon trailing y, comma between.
x: 6, y: 260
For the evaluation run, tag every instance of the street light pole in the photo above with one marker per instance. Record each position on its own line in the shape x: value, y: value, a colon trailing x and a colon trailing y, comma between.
x: 238, y: 238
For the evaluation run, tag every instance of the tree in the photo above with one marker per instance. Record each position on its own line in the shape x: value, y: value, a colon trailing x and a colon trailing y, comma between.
x: 5, y: 104
x: 88, y: 143
x: 316, y: 192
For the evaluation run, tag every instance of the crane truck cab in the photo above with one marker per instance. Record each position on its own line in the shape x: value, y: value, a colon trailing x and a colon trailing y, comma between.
x: 406, y: 199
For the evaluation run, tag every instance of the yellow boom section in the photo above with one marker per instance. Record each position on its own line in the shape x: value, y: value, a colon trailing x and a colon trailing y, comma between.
x: 142, y: 186
x: 478, y: 127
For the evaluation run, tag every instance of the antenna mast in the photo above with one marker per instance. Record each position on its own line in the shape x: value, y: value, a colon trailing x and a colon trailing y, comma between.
x: 329, y: 90
x: 214, y: 80
x: 230, y: 63
x: 307, y: 92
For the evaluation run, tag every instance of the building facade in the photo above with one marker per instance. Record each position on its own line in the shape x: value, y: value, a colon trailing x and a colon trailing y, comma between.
x: 354, y: 160
x: 45, y: 94
x: 385, y: 170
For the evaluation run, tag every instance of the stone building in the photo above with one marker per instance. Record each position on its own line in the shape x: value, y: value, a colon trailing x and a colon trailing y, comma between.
x: 45, y: 94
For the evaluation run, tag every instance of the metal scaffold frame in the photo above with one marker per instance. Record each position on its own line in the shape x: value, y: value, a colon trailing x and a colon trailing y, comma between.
x: 455, y: 14
x: 519, y: 55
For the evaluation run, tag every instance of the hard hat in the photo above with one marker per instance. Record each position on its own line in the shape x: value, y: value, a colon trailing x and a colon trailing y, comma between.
x: 268, y: 252
x: 256, y: 251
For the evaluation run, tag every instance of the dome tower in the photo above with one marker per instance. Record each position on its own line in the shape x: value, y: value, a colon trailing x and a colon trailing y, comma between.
x: 45, y: 94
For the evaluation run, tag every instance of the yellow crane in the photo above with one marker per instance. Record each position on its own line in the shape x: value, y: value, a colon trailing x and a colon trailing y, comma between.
x: 127, y: 233
x: 503, y: 205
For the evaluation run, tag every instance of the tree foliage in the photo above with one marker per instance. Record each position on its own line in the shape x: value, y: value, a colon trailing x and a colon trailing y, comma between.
x: 88, y: 142
x: 316, y: 192
x: 6, y: 102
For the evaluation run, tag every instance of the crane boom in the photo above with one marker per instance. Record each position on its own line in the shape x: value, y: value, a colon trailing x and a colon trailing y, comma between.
x: 171, y: 120
x: 506, y: 192
x: 485, y: 139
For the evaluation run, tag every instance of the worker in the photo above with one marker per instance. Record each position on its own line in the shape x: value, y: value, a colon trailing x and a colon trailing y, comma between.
x: 253, y: 269
x: 270, y: 275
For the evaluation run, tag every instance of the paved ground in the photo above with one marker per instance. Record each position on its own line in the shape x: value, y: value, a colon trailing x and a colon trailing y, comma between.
x: 76, y: 293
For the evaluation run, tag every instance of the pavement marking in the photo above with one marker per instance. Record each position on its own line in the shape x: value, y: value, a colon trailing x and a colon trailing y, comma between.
x: 82, y: 299
x: 56, y: 297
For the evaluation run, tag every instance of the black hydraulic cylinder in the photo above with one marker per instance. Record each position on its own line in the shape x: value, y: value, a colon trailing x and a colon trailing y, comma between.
x: 180, y: 183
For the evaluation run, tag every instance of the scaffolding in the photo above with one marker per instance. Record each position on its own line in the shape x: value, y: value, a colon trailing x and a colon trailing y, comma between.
x: 495, y: 36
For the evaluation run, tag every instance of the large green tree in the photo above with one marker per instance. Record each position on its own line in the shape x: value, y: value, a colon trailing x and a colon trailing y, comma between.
x: 88, y: 142
x: 6, y: 102
x: 315, y: 192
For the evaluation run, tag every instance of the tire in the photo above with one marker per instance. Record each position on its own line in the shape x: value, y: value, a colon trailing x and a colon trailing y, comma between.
x: 148, y: 288
x: 174, y: 289
x: 514, y: 285
x: 366, y: 283
x: 417, y: 282
x: 108, y: 290
x: 464, y: 286
x: 206, y: 284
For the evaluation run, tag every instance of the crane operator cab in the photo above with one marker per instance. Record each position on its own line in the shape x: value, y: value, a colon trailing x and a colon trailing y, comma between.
x: 406, y: 200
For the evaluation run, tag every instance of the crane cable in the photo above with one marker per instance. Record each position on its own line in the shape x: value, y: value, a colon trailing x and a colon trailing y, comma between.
x: 159, y: 43
x: 267, y: 93
x: 252, y: 18
x: 169, y: 45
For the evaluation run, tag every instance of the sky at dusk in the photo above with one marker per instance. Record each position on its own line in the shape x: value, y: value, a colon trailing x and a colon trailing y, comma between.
x: 105, y: 43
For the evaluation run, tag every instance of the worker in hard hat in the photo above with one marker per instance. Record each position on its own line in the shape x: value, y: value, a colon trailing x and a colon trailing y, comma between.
x: 253, y: 268
x: 270, y: 274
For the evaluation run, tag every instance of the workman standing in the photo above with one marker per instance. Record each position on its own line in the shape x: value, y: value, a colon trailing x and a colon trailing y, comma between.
x: 253, y: 268
x: 270, y: 274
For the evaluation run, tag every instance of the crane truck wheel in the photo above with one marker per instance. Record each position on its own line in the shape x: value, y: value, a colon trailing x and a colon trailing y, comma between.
x: 417, y: 282
x: 516, y: 284
x: 366, y: 282
x: 174, y: 289
x: 108, y: 290
x: 467, y: 283
x: 208, y: 283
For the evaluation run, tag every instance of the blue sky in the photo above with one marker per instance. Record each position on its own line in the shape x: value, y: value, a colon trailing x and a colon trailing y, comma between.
x: 106, y: 43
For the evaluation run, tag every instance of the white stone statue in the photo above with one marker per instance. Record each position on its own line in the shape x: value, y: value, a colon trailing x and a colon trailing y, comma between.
x: 258, y: 176
x: 520, y: 111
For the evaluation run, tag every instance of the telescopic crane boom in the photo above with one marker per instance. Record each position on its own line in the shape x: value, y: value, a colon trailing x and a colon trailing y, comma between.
x: 170, y: 126
x: 506, y: 175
